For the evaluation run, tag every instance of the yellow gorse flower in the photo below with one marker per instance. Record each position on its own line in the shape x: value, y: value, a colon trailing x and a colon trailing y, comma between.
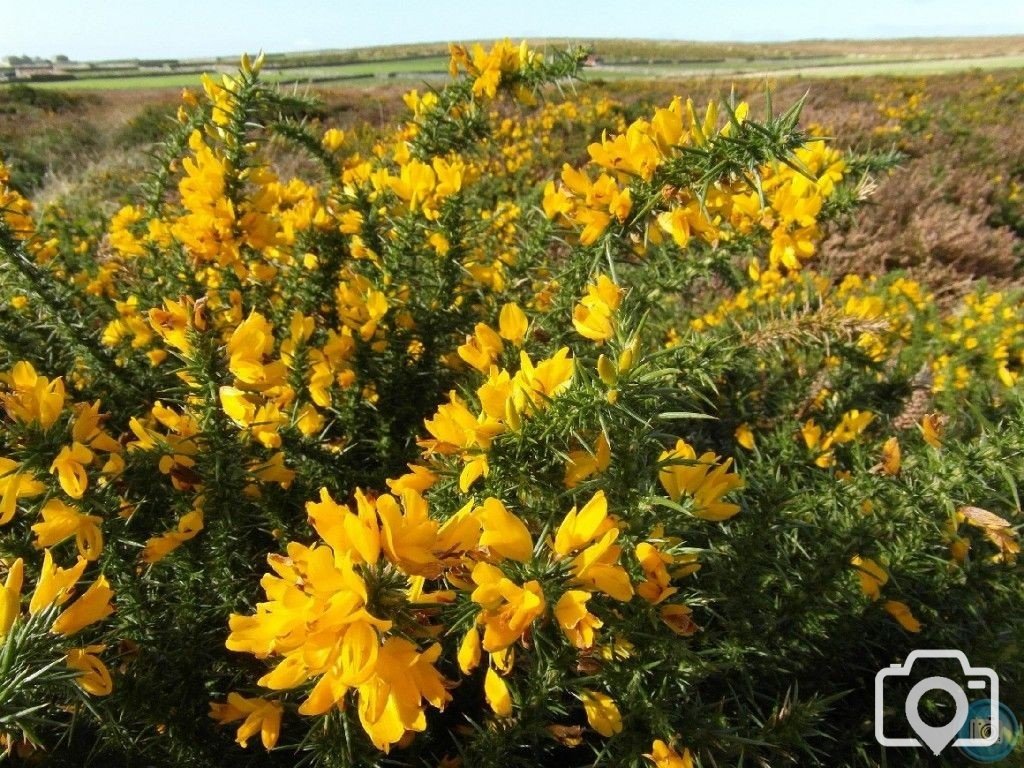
x: 602, y: 713
x: 513, y: 324
x: 14, y: 485
x: 61, y: 521
x: 891, y: 456
x: 704, y: 479
x: 10, y: 596
x: 56, y: 587
x: 507, y: 609
x: 576, y: 621
x: 932, y: 426
x: 392, y: 702
x: 92, y: 606
x: 589, y: 536
x: 664, y: 756
x: 593, y: 317
x: 482, y: 349
x: 258, y: 715
x: 503, y: 534
x: 497, y: 693
x: 70, y: 467
x: 656, y: 585
x: 996, y: 529
x: 158, y: 547
x: 902, y: 613
x: 872, y: 576
x: 32, y: 398
x: 584, y: 463
x: 95, y: 677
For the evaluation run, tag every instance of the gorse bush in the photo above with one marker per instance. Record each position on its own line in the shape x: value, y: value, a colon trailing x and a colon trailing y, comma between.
x: 526, y: 434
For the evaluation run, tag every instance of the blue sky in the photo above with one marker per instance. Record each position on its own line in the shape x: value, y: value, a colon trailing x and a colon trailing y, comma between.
x: 103, y: 29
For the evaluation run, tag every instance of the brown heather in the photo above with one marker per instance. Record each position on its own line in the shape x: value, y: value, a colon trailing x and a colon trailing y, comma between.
x: 936, y: 227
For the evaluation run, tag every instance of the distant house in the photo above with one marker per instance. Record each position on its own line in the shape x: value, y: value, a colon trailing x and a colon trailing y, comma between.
x: 32, y: 71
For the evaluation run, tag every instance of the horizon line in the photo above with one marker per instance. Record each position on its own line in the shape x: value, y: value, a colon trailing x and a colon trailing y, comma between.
x: 543, y: 39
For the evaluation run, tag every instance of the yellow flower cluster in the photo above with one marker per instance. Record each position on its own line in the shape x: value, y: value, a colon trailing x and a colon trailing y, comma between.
x: 16, y: 213
x: 505, y: 399
x: 488, y: 67
x: 901, y: 107
x: 593, y: 317
x: 704, y: 479
x: 822, y: 443
x: 345, y: 613
x: 537, y: 140
x: 55, y: 589
x: 33, y: 401
x: 786, y: 205
x: 985, y: 339
x: 37, y: 405
x: 796, y: 201
x: 978, y: 342
x: 16, y: 210
x: 318, y: 615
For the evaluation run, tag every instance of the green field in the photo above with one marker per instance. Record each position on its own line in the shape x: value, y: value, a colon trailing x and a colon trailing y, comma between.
x: 321, y: 74
x: 831, y: 66
x: 614, y: 59
x: 905, y: 68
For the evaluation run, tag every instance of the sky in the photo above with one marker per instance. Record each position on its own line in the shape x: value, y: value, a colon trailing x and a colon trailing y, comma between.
x: 109, y: 29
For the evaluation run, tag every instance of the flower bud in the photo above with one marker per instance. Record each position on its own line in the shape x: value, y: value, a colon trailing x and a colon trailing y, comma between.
x: 607, y: 371
x: 628, y: 357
